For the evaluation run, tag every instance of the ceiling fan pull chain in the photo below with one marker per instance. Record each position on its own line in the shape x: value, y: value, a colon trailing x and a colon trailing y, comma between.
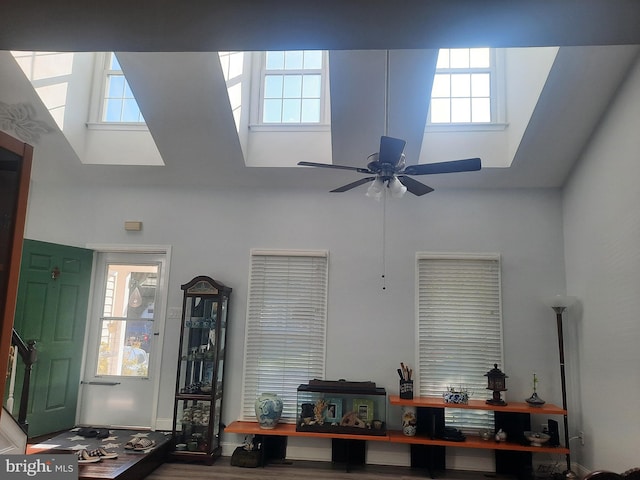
x: 384, y: 239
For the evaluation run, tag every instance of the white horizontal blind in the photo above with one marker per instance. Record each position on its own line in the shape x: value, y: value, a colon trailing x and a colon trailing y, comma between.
x: 459, y: 328
x: 286, y: 326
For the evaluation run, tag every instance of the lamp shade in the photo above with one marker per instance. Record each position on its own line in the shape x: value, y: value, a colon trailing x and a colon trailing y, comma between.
x: 397, y: 188
x: 559, y: 301
x: 375, y: 189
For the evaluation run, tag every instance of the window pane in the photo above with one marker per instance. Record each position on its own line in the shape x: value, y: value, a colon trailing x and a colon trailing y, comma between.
x: 127, y: 326
x: 272, y: 111
x: 113, y: 110
x: 311, y: 86
x: 313, y: 59
x: 463, y: 75
x: 124, y: 349
x: 460, y: 110
x: 127, y: 90
x: 481, y: 85
x: 115, y: 86
x: 481, y: 110
x: 443, y: 58
x: 311, y: 110
x: 459, y: 57
x: 291, y: 110
x: 293, y: 59
x: 273, y: 86
x: 113, y: 63
x: 479, y: 58
x: 130, y: 110
x: 440, y: 111
x: 461, y: 85
x: 292, y: 86
x: 274, y: 61
x: 441, y: 86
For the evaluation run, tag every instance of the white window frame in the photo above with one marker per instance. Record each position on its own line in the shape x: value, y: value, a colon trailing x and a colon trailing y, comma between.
x: 498, y: 95
x: 101, y: 72
x: 306, y: 284
x: 449, y: 297
x: 258, y: 72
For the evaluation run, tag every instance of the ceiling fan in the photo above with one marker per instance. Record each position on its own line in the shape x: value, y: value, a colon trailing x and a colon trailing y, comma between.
x: 387, y: 169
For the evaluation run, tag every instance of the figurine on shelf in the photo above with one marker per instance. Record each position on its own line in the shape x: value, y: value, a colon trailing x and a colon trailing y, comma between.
x: 534, y: 400
x: 501, y: 436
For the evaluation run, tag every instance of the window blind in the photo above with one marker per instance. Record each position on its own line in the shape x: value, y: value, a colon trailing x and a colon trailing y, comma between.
x: 459, y: 328
x: 286, y: 326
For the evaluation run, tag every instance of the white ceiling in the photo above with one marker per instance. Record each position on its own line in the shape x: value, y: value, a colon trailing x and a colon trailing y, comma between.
x: 190, y: 132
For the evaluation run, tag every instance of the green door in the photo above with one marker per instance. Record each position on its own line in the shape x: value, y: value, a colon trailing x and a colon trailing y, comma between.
x: 52, y: 309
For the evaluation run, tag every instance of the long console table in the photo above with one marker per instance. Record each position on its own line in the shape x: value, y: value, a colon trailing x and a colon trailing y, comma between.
x: 427, y: 451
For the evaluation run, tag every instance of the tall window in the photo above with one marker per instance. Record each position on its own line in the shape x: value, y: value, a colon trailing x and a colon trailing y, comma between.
x: 463, y: 87
x: 292, y: 87
x: 286, y: 326
x: 459, y: 328
x: 119, y: 104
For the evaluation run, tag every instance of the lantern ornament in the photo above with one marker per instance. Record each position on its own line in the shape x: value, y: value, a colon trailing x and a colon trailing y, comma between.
x: 496, y: 382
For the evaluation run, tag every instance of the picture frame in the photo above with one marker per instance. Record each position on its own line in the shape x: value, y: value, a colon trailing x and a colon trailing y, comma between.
x: 364, y: 409
x: 333, y: 412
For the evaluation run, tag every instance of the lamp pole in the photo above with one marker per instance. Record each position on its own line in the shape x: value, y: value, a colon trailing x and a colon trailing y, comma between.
x: 559, y: 310
x: 559, y: 305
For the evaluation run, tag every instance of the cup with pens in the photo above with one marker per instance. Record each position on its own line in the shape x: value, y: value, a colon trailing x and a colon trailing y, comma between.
x: 406, y: 381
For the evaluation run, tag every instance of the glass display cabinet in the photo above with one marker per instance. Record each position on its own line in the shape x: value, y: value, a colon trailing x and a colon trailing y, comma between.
x: 199, y: 381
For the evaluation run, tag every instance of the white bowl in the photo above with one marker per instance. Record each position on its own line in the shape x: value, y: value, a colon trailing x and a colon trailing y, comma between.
x: 537, y: 439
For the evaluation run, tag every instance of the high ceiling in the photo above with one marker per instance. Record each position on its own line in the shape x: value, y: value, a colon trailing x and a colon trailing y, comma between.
x: 581, y: 84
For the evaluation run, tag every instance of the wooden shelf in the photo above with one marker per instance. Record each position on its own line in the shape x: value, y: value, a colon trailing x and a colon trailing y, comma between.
x: 393, y: 436
x: 396, y: 436
x: 511, y: 407
x: 289, y: 430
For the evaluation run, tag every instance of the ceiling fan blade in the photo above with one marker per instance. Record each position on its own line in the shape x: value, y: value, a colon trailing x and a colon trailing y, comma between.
x: 391, y: 150
x: 414, y: 186
x: 330, y: 165
x: 467, y: 165
x: 355, y: 184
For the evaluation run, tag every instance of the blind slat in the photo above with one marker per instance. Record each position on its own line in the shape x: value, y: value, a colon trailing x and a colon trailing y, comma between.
x: 459, y: 329
x: 286, y: 326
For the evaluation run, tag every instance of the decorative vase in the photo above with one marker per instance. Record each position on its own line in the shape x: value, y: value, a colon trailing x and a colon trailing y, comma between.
x: 268, y: 410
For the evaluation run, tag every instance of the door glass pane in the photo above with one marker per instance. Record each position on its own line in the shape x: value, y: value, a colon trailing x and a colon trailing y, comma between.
x: 127, y: 323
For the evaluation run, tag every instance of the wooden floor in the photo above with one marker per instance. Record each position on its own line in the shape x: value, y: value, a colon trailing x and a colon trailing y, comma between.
x: 297, y: 470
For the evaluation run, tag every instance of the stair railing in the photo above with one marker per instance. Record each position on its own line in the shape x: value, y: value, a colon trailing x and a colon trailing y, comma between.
x: 28, y: 354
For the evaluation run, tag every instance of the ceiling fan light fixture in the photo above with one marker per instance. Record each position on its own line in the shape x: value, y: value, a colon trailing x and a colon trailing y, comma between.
x: 397, y: 188
x: 375, y: 189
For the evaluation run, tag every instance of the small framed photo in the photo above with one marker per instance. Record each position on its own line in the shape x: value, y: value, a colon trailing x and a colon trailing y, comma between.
x: 333, y: 413
x: 363, y: 409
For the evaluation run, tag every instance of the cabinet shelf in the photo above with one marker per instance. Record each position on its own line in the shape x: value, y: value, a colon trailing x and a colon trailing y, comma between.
x: 199, y: 381
x: 193, y: 396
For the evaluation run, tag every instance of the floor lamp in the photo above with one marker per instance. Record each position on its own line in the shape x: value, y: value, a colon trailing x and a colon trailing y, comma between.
x: 560, y: 303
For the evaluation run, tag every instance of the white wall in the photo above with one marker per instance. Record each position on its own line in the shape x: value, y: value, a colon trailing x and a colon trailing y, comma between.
x: 602, y: 233
x: 370, y: 330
